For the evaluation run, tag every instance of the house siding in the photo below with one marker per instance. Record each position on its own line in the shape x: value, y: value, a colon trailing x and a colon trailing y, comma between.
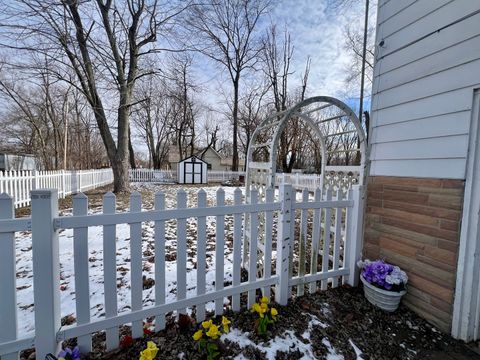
x: 423, y: 88
x: 425, y: 76
x: 415, y: 224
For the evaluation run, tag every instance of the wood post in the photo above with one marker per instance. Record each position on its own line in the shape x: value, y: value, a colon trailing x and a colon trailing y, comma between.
x: 8, y: 277
x: 46, y: 270
x: 284, y: 243
x: 354, y: 246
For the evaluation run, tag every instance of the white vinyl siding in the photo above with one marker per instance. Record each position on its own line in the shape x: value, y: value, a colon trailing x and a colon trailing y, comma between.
x: 423, y: 91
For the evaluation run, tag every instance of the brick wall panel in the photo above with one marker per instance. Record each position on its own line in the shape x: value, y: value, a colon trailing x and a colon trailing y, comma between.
x: 415, y: 224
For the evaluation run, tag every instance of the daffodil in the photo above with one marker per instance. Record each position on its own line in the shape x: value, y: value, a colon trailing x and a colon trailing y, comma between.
x: 150, y: 352
x: 256, y: 308
x: 264, y: 307
x: 225, y: 323
x: 265, y: 300
x: 198, y: 335
x: 206, y: 324
x: 213, y: 332
x: 274, y: 312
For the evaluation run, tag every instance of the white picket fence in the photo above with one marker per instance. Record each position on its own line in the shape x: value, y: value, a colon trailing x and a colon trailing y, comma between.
x: 170, y: 176
x: 305, y: 257
x: 152, y: 175
x: 337, y: 177
x: 19, y: 184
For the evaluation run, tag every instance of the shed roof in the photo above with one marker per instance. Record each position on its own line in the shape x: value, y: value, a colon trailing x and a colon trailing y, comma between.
x: 193, y: 158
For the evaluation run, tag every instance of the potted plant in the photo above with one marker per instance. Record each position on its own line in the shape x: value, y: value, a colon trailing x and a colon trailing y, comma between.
x: 384, y: 284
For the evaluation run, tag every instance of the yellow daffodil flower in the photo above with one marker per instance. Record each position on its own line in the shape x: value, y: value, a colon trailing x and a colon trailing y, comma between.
x: 150, y: 352
x: 198, y: 335
x: 225, y: 323
x: 256, y: 308
x: 264, y: 307
x: 206, y: 324
x: 265, y: 300
x: 274, y: 312
x: 213, y: 332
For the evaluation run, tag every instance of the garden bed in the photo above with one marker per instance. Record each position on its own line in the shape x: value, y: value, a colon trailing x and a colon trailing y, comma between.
x: 334, y: 324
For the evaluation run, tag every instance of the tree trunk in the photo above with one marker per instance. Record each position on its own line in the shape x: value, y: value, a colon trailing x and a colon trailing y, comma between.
x: 121, y: 182
x: 235, y: 124
x: 131, y: 153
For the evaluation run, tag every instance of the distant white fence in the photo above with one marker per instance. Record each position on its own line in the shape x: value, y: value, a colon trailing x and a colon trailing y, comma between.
x: 339, y: 178
x: 152, y: 175
x: 18, y: 184
x: 169, y: 176
x: 336, y: 177
x: 320, y: 257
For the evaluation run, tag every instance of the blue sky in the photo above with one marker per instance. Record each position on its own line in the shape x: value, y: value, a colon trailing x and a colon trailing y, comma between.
x: 316, y: 31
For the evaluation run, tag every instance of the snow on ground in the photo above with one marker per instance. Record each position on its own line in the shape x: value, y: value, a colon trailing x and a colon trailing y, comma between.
x: 286, y: 343
x: 95, y: 240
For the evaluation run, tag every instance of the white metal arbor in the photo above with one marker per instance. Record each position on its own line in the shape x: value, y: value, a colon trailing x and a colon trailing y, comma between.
x: 341, y: 141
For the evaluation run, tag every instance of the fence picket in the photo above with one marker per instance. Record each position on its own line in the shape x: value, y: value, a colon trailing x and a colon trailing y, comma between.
x: 160, y: 261
x: 136, y: 279
x: 201, y: 253
x: 315, y: 241
x: 337, y: 238
x: 80, y: 263
x: 237, y: 249
x: 8, y: 279
x: 181, y: 250
x: 252, y: 252
x: 326, y: 241
x: 267, y: 259
x: 302, y: 249
x: 219, y: 251
x: 110, y: 270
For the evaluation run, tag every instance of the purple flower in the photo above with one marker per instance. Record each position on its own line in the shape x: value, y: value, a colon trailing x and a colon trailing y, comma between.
x: 383, y: 275
x: 69, y: 354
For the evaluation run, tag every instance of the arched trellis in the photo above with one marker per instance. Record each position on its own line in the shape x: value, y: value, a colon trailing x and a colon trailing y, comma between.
x: 332, y: 122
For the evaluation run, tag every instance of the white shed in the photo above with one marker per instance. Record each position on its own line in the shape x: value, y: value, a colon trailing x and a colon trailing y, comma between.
x: 192, y: 170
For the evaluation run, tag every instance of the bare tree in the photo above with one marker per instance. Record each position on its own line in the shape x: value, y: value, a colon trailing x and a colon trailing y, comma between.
x: 102, y: 43
x: 252, y: 110
x: 226, y: 33
x: 151, y: 117
x: 277, y: 59
x: 40, y: 115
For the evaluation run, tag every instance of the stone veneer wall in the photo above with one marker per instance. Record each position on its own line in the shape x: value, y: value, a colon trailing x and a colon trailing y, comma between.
x: 415, y: 224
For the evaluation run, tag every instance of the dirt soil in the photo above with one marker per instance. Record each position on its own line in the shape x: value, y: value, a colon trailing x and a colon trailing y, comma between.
x: 349, y: 319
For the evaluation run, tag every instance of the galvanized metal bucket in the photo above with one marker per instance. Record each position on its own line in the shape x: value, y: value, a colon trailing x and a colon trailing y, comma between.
x: 384, y: 299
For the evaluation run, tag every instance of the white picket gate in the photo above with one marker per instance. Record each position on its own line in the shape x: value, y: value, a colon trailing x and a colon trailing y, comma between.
x: 18, y: 184
x: 306, y: 257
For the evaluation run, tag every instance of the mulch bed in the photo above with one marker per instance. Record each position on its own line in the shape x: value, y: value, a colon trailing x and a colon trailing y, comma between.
x: 348, y: 316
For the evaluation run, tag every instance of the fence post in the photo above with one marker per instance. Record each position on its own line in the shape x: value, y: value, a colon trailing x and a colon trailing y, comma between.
x: 8, y: 299
x: 283, y: 244
x: 356, y: 231
x: 46, y: 271
x: 63, y: 184
x: 34, y: 179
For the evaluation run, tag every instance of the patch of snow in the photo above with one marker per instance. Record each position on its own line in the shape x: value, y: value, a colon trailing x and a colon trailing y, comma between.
x: 332, y: 353
x: 286, y: 342
x: 314, y: 321
x: 358, y: 352
x: 240, y: 357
